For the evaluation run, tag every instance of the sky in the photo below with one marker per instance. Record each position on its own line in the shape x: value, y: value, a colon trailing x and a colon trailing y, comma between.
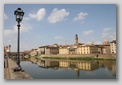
x: 47, y: 24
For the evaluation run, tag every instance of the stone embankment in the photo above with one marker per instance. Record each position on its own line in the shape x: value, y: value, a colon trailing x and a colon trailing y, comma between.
x: 10, y: 74
x: 101, y: 56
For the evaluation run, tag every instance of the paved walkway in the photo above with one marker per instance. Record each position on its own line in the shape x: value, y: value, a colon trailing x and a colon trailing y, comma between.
x: 10, y: 74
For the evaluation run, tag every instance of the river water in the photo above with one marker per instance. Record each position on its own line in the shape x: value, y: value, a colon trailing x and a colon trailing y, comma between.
x: 70, y: 69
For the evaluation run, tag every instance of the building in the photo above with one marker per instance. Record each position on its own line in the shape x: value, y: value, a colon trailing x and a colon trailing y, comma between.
x: 76, y: 40
x: 113, y: 46
x: 33, y: 52
x: 87, y: 49
x: 49, y: 49
x: 41, y: 50
x: 72, y: 50
x: 64, y: 49
x: 7, y: 49
x: 106, y: 42
x: 106, y: 47
x: 100, y: 49
x: 67, y: 49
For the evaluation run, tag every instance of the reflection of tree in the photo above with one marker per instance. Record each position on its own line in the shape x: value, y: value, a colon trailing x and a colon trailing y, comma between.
x: 114, y: 69
x: 111, y: 65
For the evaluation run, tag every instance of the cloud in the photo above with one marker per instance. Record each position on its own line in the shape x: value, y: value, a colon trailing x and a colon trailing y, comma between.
x: 10, y: 35
x: 108, y: 34
x: 26, y: 18
x: 80, y: 16
x: 25, y: 27
x: 57, y: 37
x: 39, y: 15
x: 5, y: 17
x: 57, y: 15
x: 98, y: 42
x: 88, y: 32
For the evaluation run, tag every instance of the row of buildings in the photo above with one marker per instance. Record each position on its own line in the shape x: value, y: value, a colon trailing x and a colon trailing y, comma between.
x: 78, y: 48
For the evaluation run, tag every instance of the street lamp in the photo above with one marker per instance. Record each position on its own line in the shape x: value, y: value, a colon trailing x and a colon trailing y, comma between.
x: 9, y: 50
x: 19, y: 16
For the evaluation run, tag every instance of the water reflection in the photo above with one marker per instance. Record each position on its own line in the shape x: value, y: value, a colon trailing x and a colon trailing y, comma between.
x: 78, y: 65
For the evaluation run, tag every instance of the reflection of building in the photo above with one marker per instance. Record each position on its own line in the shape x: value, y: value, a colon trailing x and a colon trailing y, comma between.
x: 74, y: 65
x: 84, y: 66
x: 64, y: 64
x: 113, y: 46
x: 48, y: 63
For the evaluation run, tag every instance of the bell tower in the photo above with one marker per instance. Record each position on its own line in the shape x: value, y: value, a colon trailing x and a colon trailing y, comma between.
x: 76, y: 39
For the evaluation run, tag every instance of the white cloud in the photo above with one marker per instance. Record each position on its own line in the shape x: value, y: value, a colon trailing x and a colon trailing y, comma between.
x: 39, y: 15
x: 80, y: 16
x: 10, y: 33
x: 106, y: 29
x: 108, y: 34
x: 57, y: 15
x: 58, y: 37
x: 5, y: 17
x: 88, y: 32
x: 25, y: 27
x: 26, y: 18
x: 98, y: 42
x: 89, y: 43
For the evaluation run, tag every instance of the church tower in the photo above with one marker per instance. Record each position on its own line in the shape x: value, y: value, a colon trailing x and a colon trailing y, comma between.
x: 76, y: 39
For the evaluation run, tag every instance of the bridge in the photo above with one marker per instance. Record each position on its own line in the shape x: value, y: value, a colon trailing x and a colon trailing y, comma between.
x: 14, y: 54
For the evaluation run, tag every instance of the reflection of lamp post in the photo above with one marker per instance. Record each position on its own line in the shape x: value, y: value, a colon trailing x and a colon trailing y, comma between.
x: 19, y: 16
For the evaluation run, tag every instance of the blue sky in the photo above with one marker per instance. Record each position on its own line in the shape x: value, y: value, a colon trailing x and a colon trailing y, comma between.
x: 47, y: 24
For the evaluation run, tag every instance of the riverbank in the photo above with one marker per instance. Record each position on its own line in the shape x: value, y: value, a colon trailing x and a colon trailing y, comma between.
x: 81, y: 57
x: 10, y: 74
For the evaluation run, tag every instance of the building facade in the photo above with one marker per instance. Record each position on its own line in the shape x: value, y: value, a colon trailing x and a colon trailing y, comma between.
x: 76, y: 40
x: 87, y: 49
x: 33, y: 52
x: 113, y: 46
x: 63, y: 50
x: 51, y: 50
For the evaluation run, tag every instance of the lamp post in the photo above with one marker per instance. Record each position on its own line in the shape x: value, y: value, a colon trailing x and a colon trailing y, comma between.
x: 9, y: 50
x: 19, y: 16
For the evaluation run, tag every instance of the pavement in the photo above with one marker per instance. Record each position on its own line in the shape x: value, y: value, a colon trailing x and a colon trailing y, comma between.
x: 10, y: 74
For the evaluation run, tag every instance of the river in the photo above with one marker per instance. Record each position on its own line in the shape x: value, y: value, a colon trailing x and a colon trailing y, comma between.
x: 70, y: 69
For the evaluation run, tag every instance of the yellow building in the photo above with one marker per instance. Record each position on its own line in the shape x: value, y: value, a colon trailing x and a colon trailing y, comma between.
x: 87, y: 49
x: 63, y: 50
